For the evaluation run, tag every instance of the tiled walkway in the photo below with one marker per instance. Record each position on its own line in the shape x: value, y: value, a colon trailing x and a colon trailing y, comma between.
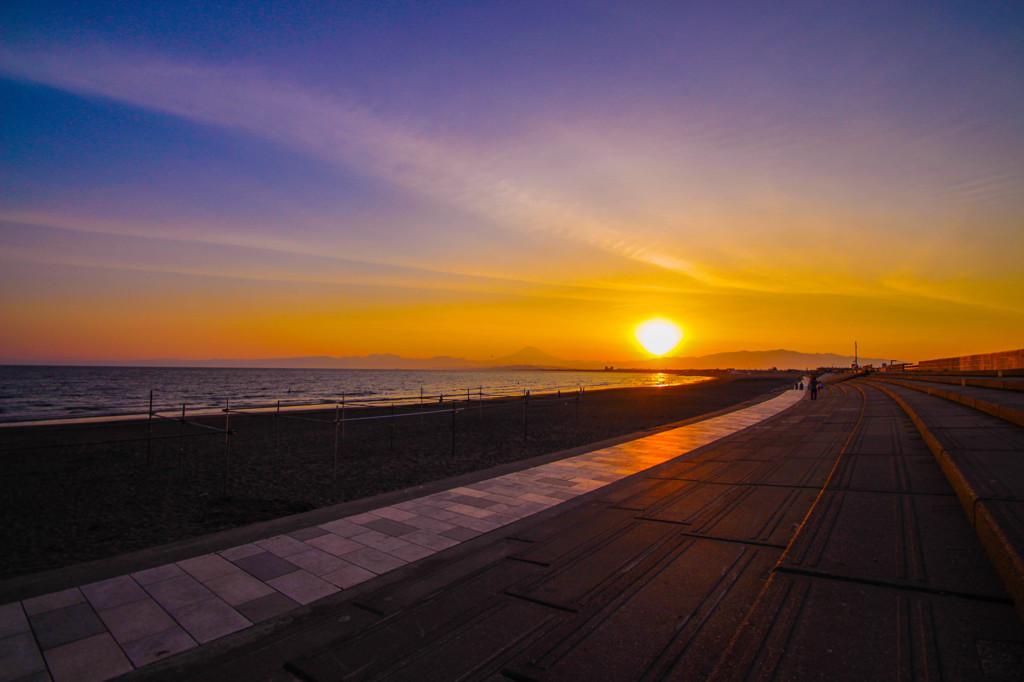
x: 104, y: 629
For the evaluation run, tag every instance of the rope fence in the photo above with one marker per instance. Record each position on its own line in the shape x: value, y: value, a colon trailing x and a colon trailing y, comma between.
x: 170, y: 438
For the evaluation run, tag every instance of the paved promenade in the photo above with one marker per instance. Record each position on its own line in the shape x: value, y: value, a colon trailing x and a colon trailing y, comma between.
x: 103, y: 629
x: 870, y: 534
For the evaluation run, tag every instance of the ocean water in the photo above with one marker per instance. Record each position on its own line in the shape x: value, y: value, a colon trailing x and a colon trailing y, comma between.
x: 30, y: 393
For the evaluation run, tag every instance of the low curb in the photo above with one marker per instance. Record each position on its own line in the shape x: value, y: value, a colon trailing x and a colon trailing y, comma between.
x: 1009, y: 414
x: 999, y: 526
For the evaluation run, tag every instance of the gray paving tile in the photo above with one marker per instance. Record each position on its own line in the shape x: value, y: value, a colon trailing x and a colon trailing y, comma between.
x: 334, y: 544
x: 560, y: 482
x: 362, y: 519
x: 54, y: 600
x: 501, y: 499
x: 12, y: 620
x: 240, y: 552
x: 343, y: 528
x: 238, y: 588
x: 308, y: 533
x: 389, y: 527
x: 316, y: 561
x: 437, y: 505
x: 178, y: 592
x: 68, y: 624
x: 282, y: 545
x: 502, y: 519
x: 114, y: 592
x: 393, y: 513
x: 461, y: 534
x: 411, y: 553
x: 373, y: 560
x: 209, y: 620
x: 526, y: 507
x: 265, y: 566
x: 302, y: 586
x: 379, y: 541
x: 266, y: 607
x: 207, y: 567
x: 429, y: 524
x: 87, y: 660
x: 467, y: 490
x: 157, y: 646
x: 506, y: 510
x: 437, y: 513
x: 545, y: 499
x: 481, y: 525
x: 466, y: 510
x: 479, y: 502
x: 430, y: 540
x: 349, y: 576
x: 20, y: 657
x: 136, y: 620
x: 158, y: 574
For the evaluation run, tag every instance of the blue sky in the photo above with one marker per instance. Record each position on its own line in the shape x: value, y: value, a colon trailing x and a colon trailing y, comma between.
x: 222, y: 180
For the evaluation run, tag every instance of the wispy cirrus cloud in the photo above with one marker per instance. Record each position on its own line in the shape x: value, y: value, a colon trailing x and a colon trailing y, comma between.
x: 340, y: 132
x: 677, y: 198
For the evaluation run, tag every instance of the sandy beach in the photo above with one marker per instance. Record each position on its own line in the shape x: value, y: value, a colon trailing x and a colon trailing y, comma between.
x: 75, y: 493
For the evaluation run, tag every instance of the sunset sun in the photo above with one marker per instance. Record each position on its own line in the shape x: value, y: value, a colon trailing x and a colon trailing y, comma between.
x: 658, y: 337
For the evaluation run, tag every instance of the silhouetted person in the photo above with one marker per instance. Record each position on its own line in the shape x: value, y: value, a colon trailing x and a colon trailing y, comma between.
x: 814, y: 390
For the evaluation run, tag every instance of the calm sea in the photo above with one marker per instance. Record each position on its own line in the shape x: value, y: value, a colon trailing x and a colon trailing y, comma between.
x: 35, y: 392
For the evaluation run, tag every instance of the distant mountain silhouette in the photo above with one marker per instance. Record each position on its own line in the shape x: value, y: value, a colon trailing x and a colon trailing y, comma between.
x: 534, y: 358
x: 761, y: 359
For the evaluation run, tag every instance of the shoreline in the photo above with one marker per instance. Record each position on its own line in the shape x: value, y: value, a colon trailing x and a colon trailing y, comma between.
x: 358, y: 400
x: 75, y: 493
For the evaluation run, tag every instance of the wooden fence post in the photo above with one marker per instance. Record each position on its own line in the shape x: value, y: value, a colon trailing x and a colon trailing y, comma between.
x: 277, y: 428
x: 181, y: 446
x: 227, y: 445
x: 149, y: 433
x: 337, y: 421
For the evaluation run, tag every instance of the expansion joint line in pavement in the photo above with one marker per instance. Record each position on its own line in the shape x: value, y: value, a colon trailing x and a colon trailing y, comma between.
x: 737, y: 484
x: 991, y: 599
x: 715, y: 538
x: 540, y: 602
x: 104, y: 629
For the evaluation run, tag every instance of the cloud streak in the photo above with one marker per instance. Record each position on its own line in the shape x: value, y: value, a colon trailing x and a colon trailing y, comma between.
x: 713, y: 206
x: 333, y: 130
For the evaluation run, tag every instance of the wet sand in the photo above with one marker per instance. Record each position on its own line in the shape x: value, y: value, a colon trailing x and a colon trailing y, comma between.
x: 70, y: 494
